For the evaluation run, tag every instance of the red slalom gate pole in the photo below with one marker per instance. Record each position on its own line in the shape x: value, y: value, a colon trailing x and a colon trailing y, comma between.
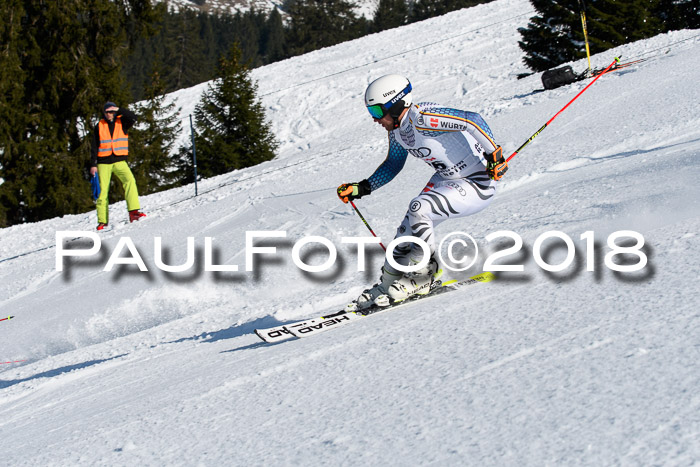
x: 617, y: 59
x: 366, y: 224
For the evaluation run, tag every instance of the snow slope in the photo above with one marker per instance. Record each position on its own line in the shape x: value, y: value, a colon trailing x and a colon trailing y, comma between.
x: 578, y: 367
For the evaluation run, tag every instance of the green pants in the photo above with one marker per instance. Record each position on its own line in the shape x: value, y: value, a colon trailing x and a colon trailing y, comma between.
x: 131, y: 193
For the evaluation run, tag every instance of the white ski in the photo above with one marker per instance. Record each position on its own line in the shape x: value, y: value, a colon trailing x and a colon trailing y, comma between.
x: 306, y: 328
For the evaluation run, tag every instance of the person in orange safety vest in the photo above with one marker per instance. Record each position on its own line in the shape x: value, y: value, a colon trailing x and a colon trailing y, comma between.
x: 110, y: 149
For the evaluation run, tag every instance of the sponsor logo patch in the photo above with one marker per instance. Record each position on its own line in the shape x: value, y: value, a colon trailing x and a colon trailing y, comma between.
x: 457, y: 187
x: 452, y: 125
x: 420, y: 153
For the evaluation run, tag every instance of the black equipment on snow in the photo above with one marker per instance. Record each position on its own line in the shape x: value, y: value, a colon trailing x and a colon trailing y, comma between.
x: 552, y: 79
x: 609, y: 67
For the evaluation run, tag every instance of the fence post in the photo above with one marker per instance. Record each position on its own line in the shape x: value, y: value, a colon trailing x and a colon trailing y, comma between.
x: 194, y: 156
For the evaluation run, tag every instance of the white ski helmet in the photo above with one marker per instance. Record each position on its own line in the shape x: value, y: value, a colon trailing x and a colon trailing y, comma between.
x: 388, y: 94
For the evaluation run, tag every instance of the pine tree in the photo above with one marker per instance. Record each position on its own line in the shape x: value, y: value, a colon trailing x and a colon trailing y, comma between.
x: 679, y: 14
x: 143, y: 49
x: 273, y: 40
x: 231, y: 131
x: 206, y: 57
x: 250, y: 37
x: 548, y: 38
x: 390, y: 14
x: 618, y: 22
x: 151, y: 141
x: 424, y: 9
x: 314, y: 24
x: 183, y: 45
x: 12, y: 78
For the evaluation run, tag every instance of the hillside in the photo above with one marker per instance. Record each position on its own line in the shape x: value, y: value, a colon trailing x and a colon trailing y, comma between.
x: 578, y: 367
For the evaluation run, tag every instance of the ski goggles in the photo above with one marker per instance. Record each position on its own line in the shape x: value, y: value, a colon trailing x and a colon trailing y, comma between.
x: 378, y: 111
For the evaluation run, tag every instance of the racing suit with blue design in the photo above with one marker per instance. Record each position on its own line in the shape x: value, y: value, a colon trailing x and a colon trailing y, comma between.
x: 453, y: 142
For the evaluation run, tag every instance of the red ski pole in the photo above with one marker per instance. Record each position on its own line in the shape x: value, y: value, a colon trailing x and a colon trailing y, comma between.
x: 5, y: 319
x: 617, y: 59
x: 366, y: 224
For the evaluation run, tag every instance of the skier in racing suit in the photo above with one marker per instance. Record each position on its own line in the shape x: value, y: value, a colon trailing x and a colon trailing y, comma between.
x: 457, y: 145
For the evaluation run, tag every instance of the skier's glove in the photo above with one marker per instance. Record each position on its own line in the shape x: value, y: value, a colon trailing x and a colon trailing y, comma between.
x: 350, y: 191
x: 496, y: 165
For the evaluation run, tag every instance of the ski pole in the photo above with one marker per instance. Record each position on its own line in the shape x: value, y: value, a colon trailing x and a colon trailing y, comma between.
x: 365, y: 221
x: 582, y: 7
x: 5, y: 319
x: 617, y: 59
x: 15, y: 361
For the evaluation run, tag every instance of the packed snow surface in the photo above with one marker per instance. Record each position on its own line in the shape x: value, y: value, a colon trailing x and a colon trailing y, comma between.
x: 585, y: 366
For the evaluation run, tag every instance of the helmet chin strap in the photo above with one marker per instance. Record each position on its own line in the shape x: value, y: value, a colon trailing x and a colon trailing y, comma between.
x: 399, y: 106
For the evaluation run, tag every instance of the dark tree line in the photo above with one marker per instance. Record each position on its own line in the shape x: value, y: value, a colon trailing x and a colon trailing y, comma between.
x: 60, y: 60
x: 190, y: 43
x: 555, y: 35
